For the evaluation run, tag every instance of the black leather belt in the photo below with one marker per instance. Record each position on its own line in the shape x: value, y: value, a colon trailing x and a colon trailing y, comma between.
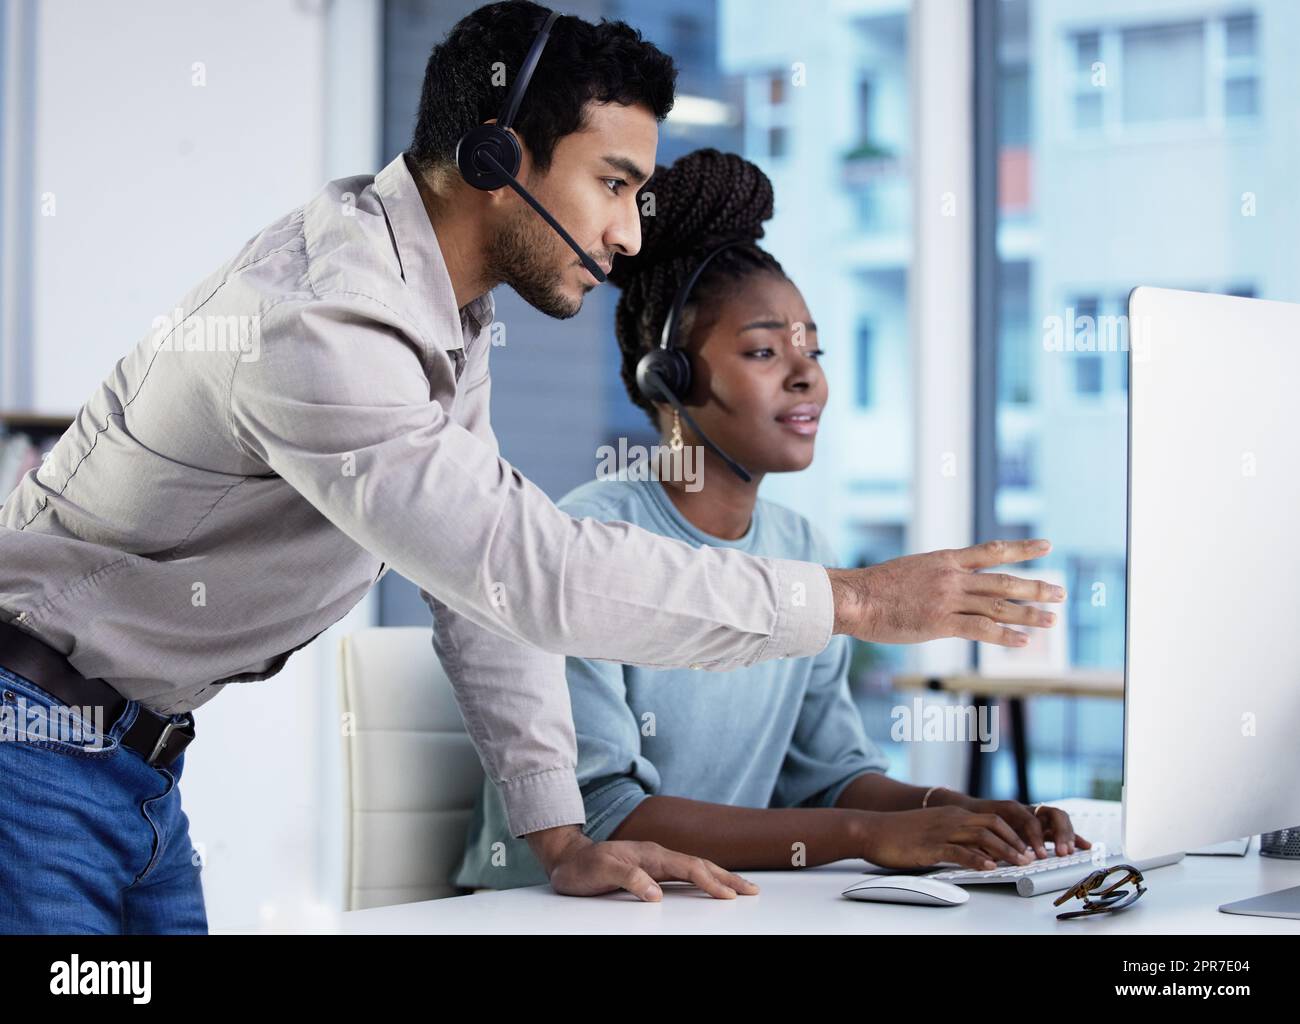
x: 156, y: 737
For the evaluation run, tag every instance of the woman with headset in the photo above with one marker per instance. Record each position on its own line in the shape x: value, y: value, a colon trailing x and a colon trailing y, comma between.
x: 768, y: 766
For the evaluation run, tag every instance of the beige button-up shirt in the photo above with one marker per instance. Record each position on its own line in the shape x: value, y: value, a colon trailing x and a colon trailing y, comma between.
x: 312, y: 412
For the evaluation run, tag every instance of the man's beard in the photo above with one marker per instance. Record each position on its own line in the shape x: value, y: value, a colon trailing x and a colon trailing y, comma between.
x: 518, y: 256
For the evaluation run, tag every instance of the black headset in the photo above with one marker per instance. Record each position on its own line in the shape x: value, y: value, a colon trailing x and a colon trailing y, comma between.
x: 489, y: 155
x: 664, y: 373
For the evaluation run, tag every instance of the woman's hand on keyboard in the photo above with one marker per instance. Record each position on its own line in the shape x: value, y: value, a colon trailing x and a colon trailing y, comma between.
x: 914, y: 839
x: 1049, y: 823
x: 1035, y: 829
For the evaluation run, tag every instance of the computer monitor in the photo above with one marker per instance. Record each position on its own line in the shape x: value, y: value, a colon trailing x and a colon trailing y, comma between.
x: 1212, y: 623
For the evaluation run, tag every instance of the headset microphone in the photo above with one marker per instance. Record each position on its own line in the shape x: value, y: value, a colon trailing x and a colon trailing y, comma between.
x: 736, y: 467
x: 524, y: 194
x: 489, y: 156
x: 664, y: 373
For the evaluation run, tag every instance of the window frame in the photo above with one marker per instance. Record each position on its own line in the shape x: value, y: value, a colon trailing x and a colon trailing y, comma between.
x: 1219, y: 69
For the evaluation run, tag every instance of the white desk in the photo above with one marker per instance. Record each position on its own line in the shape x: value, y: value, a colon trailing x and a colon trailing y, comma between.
x: 1181, y: 898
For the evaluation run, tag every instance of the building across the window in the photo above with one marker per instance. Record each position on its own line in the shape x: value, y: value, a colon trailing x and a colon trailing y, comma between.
x: 1126, y: 78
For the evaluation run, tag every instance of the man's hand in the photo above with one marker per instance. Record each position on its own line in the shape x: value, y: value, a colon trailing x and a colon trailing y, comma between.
x: 942, y: 594
x: 579, y: 867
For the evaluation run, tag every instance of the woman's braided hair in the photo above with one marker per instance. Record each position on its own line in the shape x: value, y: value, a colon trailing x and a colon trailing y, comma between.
x: 704, y: 200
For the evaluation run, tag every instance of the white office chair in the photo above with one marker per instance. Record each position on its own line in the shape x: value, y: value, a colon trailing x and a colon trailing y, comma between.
x: 411, y: 774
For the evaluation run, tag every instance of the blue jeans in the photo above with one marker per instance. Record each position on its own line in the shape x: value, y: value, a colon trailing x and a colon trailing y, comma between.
x: 92, y: 837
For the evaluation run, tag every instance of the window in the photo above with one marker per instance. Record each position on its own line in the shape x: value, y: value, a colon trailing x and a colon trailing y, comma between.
x: 864, y: 370
x: 1153, y: 75
x: 1240, y: 71
x: 874, y: 172
x: 864, y: 110
x: 1016, y: 464
x: 1164, y: 73
x: 1103, y: 219
x: 1014, y: 110
x: 1098, y: 580
x: 768, y: 113
x: 1015, y: 353
x: 1088, y: 79
x: 1087, y: 373
x: 1089, y: 369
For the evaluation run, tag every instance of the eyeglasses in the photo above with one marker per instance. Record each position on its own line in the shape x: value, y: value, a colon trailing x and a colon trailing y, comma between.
x: 1101, y: 892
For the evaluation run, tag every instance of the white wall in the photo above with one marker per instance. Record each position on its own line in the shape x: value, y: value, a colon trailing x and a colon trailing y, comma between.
x: 155, y: 181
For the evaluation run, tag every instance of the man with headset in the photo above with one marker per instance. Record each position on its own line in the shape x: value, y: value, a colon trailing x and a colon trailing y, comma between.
x: 210, y: 512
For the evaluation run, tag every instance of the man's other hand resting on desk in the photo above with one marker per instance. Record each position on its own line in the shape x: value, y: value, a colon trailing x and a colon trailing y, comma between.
x: 579, y: 867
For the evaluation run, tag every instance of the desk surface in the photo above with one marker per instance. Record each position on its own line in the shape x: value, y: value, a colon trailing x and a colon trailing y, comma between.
x: 1181, y: 898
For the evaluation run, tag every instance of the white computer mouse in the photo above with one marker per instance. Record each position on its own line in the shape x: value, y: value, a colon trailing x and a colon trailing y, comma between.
x: 917, y: 889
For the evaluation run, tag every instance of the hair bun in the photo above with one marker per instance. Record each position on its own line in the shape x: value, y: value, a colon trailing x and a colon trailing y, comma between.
x: 703, y: 200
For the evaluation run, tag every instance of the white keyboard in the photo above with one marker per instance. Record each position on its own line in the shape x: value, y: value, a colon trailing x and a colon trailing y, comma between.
x: 1098, y: 820
x: 1011, y: 872
x: 1050, y: 875
x: 1072, y: 867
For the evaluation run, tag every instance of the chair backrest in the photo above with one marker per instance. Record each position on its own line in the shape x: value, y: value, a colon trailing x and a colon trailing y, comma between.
x: 411, y: 773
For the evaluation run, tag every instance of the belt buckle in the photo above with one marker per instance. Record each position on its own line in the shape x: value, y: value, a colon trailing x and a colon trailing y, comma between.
x: 163, y: 737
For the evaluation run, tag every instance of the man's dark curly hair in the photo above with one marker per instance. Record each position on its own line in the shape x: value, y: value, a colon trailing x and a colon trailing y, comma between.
x: 582, y: 63
x: 704, y: 200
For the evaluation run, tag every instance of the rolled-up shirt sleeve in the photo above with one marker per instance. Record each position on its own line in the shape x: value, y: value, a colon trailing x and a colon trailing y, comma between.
x: 338, y: 404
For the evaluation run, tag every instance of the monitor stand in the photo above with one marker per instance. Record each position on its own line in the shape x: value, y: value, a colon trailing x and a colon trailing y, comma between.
x: 1283, y: 903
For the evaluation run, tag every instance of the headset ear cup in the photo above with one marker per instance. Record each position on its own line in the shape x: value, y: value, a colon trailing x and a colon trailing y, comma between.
x: 490, y: 139
x: 672, y: 366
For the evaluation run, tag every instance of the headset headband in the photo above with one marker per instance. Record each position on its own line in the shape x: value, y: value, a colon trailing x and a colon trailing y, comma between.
x: 516, y: 96
x: 667, y: 339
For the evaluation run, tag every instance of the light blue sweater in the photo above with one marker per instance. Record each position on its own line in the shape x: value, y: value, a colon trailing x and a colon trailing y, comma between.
x: 781, y: 733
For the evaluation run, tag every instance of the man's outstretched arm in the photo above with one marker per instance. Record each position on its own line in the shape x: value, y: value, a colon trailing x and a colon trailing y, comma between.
x: 338, y: 405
